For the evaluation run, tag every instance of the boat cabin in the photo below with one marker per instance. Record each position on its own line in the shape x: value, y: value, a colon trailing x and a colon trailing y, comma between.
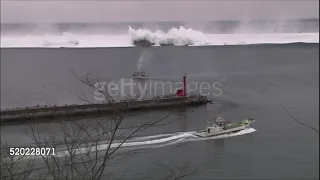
x: 217, y: 125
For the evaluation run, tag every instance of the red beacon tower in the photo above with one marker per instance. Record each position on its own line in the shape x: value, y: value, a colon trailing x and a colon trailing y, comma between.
x: 183, y: 92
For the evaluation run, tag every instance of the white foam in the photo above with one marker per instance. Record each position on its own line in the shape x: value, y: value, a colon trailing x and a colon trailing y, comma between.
x: 151, y: 137
x: 176, y: 36
x: 83, y: 41
x: 279, y: 38
x: 173, y: 138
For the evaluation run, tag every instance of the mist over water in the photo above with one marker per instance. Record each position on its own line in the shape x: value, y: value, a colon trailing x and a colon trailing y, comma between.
x: 215, y: 27
x: 144, y: 59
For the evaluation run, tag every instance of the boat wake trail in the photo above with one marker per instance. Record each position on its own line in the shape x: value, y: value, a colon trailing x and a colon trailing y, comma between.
x: 157, y: 141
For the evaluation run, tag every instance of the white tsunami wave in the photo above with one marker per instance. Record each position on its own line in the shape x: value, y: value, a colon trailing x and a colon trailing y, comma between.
x: 157, y: 140
x: 175, y: 36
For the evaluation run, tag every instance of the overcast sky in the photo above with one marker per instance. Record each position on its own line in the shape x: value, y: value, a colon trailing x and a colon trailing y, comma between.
x: 48, y: 11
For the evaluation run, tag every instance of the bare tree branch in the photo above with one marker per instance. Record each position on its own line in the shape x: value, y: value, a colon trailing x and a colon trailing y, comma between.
x: 302, y: 123
x: 84, y: 148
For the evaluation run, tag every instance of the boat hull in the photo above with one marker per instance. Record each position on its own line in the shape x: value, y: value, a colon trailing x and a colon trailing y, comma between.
x: 228, y: 131
x: 139, y: 77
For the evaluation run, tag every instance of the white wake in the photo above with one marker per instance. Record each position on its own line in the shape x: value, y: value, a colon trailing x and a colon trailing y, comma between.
x: 157, y: 140
x: 175, y: 36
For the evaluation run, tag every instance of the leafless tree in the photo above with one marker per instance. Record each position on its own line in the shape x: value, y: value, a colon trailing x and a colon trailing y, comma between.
x: 298, y: 121
x: 84, y: 149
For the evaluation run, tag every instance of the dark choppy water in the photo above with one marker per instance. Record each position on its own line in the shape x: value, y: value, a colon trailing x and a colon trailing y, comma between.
x: 255, y: 81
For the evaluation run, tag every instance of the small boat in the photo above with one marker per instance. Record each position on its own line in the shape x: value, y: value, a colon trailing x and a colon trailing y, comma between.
x: 220, y: 126
x: 139, y: 75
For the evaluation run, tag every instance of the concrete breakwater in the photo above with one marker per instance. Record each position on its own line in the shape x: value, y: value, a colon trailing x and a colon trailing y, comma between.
x: 86, y: 109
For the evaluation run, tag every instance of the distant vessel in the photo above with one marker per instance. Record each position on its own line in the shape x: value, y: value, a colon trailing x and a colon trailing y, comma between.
x: 139, y: 75
x: 61, y: 44
x: 220, y: 126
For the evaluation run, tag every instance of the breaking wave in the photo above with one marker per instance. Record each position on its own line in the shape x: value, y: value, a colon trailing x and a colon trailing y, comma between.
x: 161, y: 140
x: 177, y: 36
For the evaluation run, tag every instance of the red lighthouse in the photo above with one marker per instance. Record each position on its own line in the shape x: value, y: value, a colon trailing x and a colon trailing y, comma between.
x: 183, y: 92
x: 185, y: 84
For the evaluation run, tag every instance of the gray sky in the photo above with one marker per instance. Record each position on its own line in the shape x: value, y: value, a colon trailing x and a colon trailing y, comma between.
x: 46, y: 11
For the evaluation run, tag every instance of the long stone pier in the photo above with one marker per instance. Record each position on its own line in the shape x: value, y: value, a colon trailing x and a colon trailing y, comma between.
x: 25, y: 114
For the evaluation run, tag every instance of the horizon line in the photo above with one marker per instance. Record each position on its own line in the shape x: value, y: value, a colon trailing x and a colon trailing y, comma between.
x: 192, y: 21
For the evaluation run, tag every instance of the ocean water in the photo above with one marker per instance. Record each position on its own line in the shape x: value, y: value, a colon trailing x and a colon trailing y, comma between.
x: 252, y: 81
x: 255, y: 81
